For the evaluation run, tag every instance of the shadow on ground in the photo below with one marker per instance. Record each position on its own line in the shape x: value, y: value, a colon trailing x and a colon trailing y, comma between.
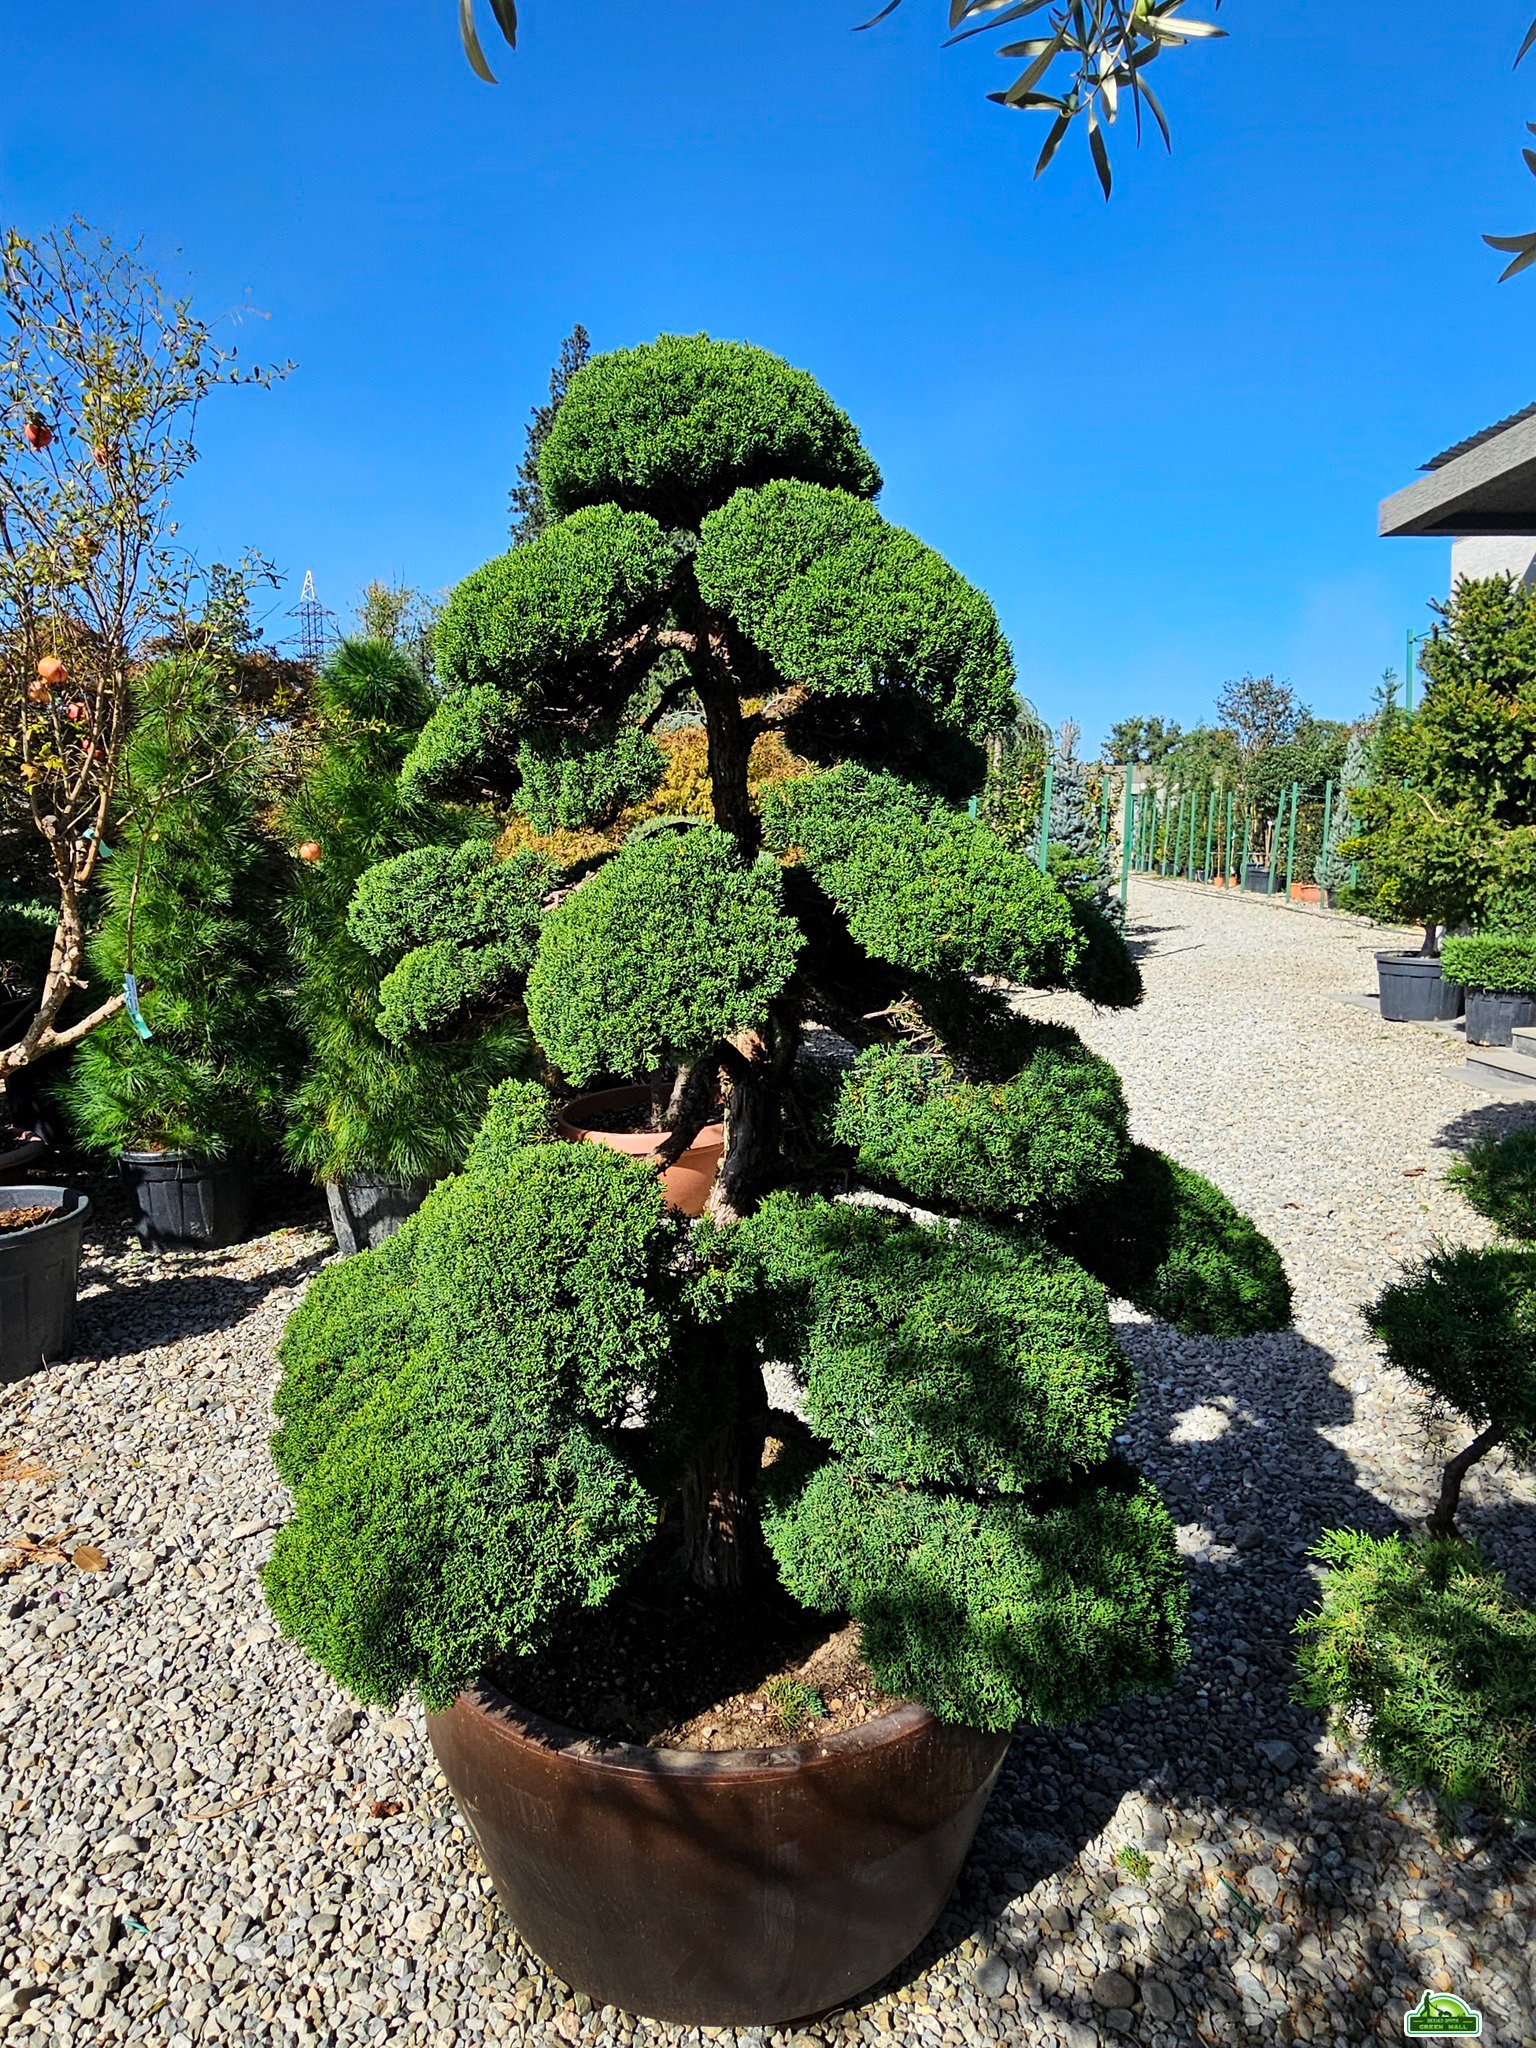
x: 1288, y: 1925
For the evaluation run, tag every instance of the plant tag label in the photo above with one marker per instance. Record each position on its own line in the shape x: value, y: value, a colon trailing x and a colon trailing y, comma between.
x: 135, y: 1014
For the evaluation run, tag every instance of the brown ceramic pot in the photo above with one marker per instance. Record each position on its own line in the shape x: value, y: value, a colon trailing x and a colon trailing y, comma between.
x: 739, y: 1888
x: 686, y: 1185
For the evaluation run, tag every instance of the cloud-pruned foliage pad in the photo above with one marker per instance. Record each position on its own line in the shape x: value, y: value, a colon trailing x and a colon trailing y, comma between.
x: 942, y: 1356
x: 1045, y: 1138
x: 844, y: 602
x: 676, y: 944
x: 1168, y: 1241
x: 459, y: 1490
x: 675, y: 426
x: 991, y: 1612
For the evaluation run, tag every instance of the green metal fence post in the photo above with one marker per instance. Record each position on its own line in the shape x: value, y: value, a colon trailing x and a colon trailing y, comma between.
x: 1322, y: 856
x: 1274, y: 848
x: 1045, y: 813
x: 1226, y: 867
x: 1290, y: 848
x: 1210, y: 828
x: 1104, y: 814
x: 1125, y: 834
x: 1242, y: 880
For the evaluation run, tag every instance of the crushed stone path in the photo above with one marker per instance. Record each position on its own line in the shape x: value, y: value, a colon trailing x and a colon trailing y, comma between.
x: 204, y: 1842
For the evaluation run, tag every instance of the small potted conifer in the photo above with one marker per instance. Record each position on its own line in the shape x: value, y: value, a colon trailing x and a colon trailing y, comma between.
x: 722, y: 1688
x: 1418, y: 1647
x: 191, y: 1090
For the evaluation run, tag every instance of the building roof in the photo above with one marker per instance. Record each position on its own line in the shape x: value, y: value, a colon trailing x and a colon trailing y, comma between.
x: 1485, y: 484
x: 1476, y: 440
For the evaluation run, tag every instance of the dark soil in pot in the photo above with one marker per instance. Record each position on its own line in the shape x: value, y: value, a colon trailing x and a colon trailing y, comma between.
x: 39, y: 1273
x: 672, y: 1667
x: 182, y: 1202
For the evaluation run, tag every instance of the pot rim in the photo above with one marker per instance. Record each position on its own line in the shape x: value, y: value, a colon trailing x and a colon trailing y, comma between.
x: 621, y: 1098
x: 1425, y: 960
x: 486, y: 1700
x: 64, y: 1209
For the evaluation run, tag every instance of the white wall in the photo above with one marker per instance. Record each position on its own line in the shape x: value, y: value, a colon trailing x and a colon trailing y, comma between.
x: 1480, y: 554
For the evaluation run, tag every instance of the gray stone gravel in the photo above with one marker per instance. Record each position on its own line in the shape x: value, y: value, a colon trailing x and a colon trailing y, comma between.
x: 205, y: 1842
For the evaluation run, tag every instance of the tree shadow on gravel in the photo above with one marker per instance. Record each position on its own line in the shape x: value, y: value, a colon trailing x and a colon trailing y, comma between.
x: 1289, y: 1929
x: 136, y: 1312
x: 1495, y: 1119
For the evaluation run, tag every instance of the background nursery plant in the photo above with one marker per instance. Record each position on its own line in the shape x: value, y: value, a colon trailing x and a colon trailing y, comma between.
x: 192, y: 896
x: 548, y: 1380
x: 372, y: 1101
x: 102, y: 375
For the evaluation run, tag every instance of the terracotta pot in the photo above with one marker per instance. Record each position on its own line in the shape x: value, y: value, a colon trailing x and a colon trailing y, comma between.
x: 686, y: 1185
x: 1306, y: 892
x: 740, y: 1888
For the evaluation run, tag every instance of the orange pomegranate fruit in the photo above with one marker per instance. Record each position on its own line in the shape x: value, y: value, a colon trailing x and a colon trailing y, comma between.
x: 51, y: 670
x: 310, y: 850
x: 38, y: 692
x: 78, y: 712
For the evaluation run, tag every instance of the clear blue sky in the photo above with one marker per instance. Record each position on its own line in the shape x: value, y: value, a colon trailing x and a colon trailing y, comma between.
x: 1155, y: 432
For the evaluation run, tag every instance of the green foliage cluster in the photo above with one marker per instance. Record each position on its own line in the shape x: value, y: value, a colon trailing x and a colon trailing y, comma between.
x: 839, y: 599
x: 1426, y: 1644
x: 956, y: 1356
x: 1168, y: 1241
x: 531, y: 627
x: 1461, y: 1323
x: 190, y: 895
x: 675, y: 944
x: 674, y: 427
x: 1445, y: 826
x: 992, y: 1612
x: 920, y: 886
x: 1503, y: 963
x: 450, y: 1410
x: 1045, y: 1138
x: 569, y: 782
x: 1498, y: 1177
x: 366, y: 1102
x: 558, y: 1368
x: 459, y: 895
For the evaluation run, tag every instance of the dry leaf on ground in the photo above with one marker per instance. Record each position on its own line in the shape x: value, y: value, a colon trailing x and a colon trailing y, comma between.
x: 17, y: 1465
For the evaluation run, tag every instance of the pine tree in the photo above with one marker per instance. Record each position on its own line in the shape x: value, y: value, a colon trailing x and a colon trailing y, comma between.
x: 529, y: 514
x: 193, y: 895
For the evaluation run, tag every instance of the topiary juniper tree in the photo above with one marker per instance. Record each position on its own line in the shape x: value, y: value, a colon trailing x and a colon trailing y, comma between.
x: 488, y: 1421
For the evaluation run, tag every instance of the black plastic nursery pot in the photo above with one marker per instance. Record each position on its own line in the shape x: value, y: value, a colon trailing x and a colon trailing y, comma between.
x: 1256, y: 878
x: 367, y: 1208
x: 1414, y: 990
x: 736, y: 1888
x: 39, y: 1272
x: 182, y: 1202
x: 1493, y: 1017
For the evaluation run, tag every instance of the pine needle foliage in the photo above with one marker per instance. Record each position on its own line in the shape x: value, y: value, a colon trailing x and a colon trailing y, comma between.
x: 1498, y: 1177
x: 1420, y: 1654
x: 192, y: 895
x: 368, y: 1103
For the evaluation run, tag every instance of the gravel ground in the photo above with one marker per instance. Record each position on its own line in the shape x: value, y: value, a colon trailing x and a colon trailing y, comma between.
x: 206, y: 1843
